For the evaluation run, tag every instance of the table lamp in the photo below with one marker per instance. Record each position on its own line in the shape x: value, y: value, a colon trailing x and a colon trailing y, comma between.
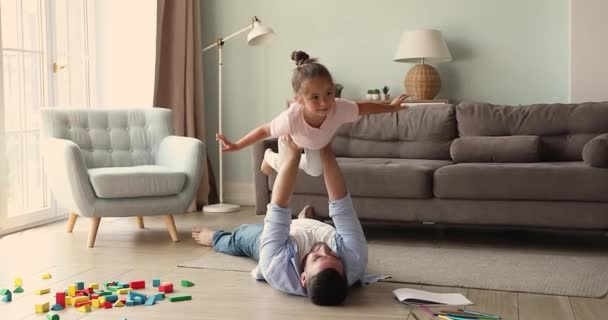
x: 422, y: 81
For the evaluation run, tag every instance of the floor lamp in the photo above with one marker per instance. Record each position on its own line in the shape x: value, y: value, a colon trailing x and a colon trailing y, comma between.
x: 258, y: 35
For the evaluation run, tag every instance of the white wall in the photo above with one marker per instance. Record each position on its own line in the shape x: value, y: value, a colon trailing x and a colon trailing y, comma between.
x: 589, y: 51
x: 124, y: 49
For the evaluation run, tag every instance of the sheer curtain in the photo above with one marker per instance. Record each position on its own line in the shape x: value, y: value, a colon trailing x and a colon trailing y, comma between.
x: 179, y: 77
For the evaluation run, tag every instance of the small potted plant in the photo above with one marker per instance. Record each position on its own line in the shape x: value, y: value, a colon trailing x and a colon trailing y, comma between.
x: 376, y: 94
x: 338, y: 88
x: 370, y: 92
x: 385, y: 95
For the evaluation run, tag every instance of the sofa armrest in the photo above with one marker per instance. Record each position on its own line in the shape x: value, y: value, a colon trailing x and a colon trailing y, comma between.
x: 186, y: 155
x: 595, y: 151
x: 68, y: 175
x: 262, y: 190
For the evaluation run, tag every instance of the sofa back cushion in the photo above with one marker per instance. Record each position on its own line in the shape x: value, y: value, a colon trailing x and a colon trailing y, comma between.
x: 496, y: 149
x: 418, y: 132
x: 564, y: 129
x: 595, y: 152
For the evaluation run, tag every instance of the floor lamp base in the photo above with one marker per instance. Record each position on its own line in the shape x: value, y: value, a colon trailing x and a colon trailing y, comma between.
x: 221, y: 207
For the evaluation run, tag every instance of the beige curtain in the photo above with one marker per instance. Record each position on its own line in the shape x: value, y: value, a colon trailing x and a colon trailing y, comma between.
x: 179, y: 77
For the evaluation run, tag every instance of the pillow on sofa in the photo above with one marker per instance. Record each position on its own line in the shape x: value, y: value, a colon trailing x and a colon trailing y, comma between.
x: 595, y: 152
x: 496, y: 149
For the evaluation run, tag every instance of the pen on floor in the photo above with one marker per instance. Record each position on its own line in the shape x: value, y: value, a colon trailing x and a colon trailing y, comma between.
x: 415, y: 316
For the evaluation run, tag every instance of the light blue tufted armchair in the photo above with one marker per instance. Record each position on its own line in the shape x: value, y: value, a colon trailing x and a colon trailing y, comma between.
x: 119, y: 163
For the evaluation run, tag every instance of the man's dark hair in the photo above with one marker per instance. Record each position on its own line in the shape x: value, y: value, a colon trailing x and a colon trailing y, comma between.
x: 327, y: 288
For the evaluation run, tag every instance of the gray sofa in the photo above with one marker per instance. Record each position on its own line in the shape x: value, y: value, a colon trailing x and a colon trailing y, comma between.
x: 472, y: 163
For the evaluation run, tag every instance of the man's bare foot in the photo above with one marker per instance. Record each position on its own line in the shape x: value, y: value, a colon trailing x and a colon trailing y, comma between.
x: 266, y: 168
x: 306, y: 213
x: 203, y: 236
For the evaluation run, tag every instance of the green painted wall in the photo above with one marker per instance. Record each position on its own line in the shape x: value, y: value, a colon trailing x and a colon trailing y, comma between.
x: 508, y: 52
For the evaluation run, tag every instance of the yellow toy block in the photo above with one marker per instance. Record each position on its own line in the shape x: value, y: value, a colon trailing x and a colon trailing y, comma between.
x: 68, y: 301
x: 42, y: 291
x: 123, y: 291
x: 46, y: 276
x: 95, y: 303
x: 42, y: 308
x: 84, y: 308
x: 75, y: 300
x: 102, y: 299
x: 119, y: 304
x: 72, y: 290
x: 94, y: 286
x: 18, y: 282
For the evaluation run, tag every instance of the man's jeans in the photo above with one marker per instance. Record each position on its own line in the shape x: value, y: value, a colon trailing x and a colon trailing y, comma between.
x: 242, y: 241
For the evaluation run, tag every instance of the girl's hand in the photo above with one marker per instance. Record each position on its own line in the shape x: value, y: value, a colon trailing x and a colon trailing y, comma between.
x: 396, y: 103
x: 227, y: 146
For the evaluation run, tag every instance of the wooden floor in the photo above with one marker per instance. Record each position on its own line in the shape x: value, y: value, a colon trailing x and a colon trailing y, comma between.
x: 123, y: 252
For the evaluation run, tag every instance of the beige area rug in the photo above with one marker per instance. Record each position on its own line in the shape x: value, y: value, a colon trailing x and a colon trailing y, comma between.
x: 521, y: 266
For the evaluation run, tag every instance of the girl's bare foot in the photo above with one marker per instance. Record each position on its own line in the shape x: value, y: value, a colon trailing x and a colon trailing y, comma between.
x: 266, y: 168
x: 306, y: 213
x: 203, y: 236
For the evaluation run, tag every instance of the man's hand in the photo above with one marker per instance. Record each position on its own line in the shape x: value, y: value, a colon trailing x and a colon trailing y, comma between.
x: 396, y: 103
x: 227, y: 146
x: 294, y: 151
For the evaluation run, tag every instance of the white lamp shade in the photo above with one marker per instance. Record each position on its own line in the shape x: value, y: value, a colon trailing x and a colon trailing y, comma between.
x: 418, y: 44
x: 259, y: 34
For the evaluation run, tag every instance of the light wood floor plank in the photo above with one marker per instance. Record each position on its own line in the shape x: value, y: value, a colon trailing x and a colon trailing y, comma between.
x: 422, y: 315
x: 589, y: 309
x: 541, y: 307
x: 499, y: 303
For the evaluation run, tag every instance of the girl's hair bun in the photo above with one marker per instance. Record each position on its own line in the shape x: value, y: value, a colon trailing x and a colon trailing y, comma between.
x: 300, y: 57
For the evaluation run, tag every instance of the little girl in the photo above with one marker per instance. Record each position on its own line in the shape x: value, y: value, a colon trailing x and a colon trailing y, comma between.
x: 312, y: 120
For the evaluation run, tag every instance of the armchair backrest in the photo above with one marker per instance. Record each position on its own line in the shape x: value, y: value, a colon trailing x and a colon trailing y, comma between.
x: 110, y: 137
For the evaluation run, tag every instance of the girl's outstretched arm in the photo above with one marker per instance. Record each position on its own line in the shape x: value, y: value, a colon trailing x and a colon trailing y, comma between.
x: 371, y: 107
x: 260, y: 133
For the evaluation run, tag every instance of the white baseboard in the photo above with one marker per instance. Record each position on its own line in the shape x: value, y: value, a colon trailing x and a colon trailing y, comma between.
x: 242, y: 193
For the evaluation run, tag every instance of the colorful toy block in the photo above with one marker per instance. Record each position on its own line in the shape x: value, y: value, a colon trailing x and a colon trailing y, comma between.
x: 94, y: 286
x: 8, y: 296
x: 155, y: 283
x: 123, y: 284
x: 46, y: 276
x: 107, y: 305
x: 79, y: 285
x: 150, y: 301
x: 137, y: 301
x: 57, y: 307
x: 52, y: 316
x: 60, y: 298
x: 82, y: 303
x: 3, y: 291
x: 72, y: 290
x: 180, y: 298
x: 112, y: 298
x: 18, y: 290
x: 84, y: 308
x: 68, y: 301
x: 18, y: 282
x: 102, y: 300
x: 137, y: 284
x: 114, y: 288
x: 187, y: 283
x: 166, y: 287
x: 42, y: 308
x: 118, y: 304
x: 159, y: 296
x: 76, y: 300
x: 42, y: 291
x: 123, y: 291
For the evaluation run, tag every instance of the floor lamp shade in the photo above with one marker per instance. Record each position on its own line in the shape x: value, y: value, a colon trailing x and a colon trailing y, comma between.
x: 422, y: 81
x: 258, y: 35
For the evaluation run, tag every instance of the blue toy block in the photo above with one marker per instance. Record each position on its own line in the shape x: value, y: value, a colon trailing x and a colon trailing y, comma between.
x: 111, y: 298
x: 79, y: 285
x: 151, y: 301
x: 137, y: 301
x: 57, y: 307
x: 156, y: 283
x: 159, y: 296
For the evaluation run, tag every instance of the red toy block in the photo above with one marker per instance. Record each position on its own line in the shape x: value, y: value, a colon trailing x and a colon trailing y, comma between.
x: 82, y: 303
x: 94, y: 296
x: 60, y: 298
x: 107, y: 305
x: 138, y: 284
x: 166, y: 287
x: 123, y: 300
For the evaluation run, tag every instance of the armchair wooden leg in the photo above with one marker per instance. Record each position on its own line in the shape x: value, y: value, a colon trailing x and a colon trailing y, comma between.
x: 140, y: 222
x: 171, y: 227
x: 93, y: 230
x: 71, y: 222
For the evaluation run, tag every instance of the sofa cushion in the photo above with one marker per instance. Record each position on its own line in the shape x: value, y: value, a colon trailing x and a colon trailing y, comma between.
x: 573, y: 181
x: 595, y: 152
x: 377, y: 177
x: 496, y: 149
x: 138, y: 181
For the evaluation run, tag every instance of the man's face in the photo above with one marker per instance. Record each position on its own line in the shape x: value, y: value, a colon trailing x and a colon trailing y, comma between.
x: 319, y: 258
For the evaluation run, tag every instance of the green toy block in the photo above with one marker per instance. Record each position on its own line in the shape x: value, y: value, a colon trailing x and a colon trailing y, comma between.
x: 180, y: 298
x: 3, y: 292
x: 186, y: 283
x: 57, y: 307
x: 18, y: 290
x: 52, y: 316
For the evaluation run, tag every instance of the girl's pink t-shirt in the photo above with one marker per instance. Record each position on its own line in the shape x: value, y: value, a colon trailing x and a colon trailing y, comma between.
x: 291, y: 121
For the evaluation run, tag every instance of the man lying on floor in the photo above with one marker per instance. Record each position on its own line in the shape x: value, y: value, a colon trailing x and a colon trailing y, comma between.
x: 304, y: 257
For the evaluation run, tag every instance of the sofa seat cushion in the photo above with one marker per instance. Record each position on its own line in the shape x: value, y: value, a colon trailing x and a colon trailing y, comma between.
x: 377, y: 177
x: 137, y: 181
x: 572, y: 181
